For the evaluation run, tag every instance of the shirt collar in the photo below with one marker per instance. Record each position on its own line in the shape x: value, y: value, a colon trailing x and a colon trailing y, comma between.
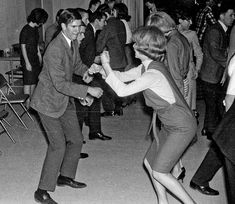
x: 93, y: 28
x: 146, y: 63
x: 67, y: 39
x: 223, y: 26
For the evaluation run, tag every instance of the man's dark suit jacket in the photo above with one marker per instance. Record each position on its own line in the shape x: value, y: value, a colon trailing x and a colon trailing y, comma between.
x: 55, y: 86
x: 87, y: 47
x: 215, y: 46
x: 113, y: 38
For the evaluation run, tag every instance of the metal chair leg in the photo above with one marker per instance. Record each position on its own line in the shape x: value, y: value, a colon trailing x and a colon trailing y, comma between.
x: 18, y: 116
x: 26, y: 111
x: 9, y: 135
x: 6, y: 122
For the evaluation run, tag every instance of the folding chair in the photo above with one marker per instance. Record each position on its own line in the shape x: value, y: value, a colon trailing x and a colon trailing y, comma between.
x: 14, y: 74
x: 3, y: 115
x: 9, y: 97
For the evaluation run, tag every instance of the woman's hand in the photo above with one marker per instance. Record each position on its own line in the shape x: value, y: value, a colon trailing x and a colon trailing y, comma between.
x: 97, y: 60
x: 105, y: 58
x: 28, y: 67
x: 95, y: 68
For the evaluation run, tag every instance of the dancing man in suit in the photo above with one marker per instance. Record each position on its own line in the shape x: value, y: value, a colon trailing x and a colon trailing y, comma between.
x: 87, y: 50
x: 53, y: 100
x: 113, y: 39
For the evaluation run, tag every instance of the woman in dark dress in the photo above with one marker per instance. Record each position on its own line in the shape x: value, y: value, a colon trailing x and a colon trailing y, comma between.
x: 31, y: 59
x: 177, y: 60
x: 161, y: 93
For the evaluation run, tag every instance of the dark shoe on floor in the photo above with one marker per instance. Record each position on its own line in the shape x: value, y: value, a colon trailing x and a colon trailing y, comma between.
x: 83, y: 155
x: 204, y: 189
x: 107, y: 114
x: 32, y: 111
x: 43, y: 197
x: 118, y: 112
x: 99, y: 135
x: 66, y: 181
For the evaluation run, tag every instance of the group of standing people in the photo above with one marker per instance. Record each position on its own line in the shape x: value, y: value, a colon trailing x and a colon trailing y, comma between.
x: 78, y: 64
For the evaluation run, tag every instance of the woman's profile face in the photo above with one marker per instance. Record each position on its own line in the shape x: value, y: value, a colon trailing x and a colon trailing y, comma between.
x: 138, y: 55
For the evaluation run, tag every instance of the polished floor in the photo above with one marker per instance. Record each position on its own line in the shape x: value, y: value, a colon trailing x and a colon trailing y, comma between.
x: 113, y: 172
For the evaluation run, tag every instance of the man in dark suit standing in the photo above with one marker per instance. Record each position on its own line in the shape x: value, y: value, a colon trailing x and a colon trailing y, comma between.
x: 53, y: 100
x: 87, y: 51
x: 214, y: 60
x: 112, y: 38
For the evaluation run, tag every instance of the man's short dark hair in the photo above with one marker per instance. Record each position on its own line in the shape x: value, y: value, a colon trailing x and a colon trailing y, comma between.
x: 58, y: 14
x: 81, y: 11
x: 122, y: 11
x: 69, y: 15
x: 225, y: 6
x: 94, y: 2
x: 96, y: 15
x: 103, y: 8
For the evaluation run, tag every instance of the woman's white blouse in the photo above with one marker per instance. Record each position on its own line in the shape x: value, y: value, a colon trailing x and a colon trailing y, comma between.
x: 128, y: 32
x: 150, y: 79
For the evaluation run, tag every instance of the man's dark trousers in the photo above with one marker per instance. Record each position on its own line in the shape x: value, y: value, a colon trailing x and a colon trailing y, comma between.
x: 209, y: 166
x: 213, y: 96
x: 64, y: 148
x: 230, y: 180
x: 89, y: 113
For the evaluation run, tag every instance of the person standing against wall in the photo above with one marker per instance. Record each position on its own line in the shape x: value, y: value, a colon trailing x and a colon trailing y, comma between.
x: 31, y: 58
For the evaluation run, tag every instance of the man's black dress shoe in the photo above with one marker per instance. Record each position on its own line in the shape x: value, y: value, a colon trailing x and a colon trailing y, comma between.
x: 107, y: 114
x: 118, y: 111
x: 83, y: 155
x: 66, y: 181
x: 43, y: 197
x: 99, y: 135
x: 207, y: 190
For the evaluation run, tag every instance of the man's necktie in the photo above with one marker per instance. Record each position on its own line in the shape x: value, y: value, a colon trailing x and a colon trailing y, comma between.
x: 72, y: 47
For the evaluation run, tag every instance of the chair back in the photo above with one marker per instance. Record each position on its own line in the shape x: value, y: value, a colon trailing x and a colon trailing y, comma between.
x: 5, y: 90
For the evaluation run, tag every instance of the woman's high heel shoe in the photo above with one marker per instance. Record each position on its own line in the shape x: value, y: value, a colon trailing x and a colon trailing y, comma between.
x: 182, y: 175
